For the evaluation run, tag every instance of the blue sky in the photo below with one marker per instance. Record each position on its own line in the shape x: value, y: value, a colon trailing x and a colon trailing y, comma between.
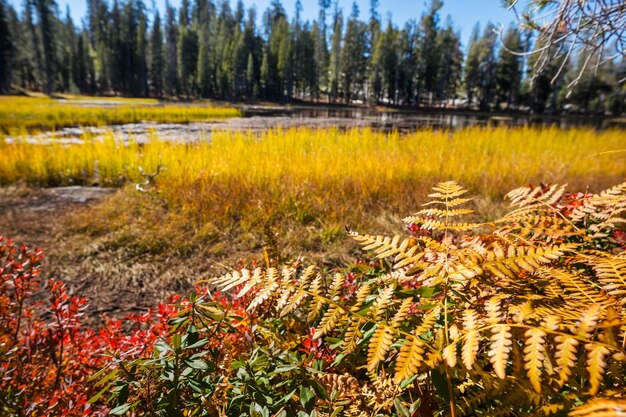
x: 465, y: 13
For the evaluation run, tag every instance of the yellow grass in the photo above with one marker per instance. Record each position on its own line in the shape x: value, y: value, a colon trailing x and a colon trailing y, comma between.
x: 311, y: 182
x: 27, y: 113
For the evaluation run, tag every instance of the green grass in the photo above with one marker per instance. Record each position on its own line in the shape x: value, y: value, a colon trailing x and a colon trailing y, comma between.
x: 23, y: 114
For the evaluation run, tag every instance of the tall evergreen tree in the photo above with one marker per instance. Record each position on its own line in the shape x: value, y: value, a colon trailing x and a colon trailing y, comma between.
x: 6, y: 49
x: 354, y: 56
x: 335, y: 54
x: 156, y: 57
x: 509, y: 68
x: 171, y: 46
x: 471, y: 65
x: 429, y: 54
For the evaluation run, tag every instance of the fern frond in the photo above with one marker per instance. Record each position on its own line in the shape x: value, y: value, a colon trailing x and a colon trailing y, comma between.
x: 611, y: 273
x: 565, y: 357
x: 588, y: 320
x: 574, y: 285
x: 435, y: 212
x: 410, y: 358
x: 447, y: 190
x: 596, y: 365
x: 526, y: 196
x: 332, y: 316
x: 426, y: 223
x: 300, y: 292
x: 593, y: 206
x: 528, y: 258
x: 601, y: 407
x: 472, y: 338
x: 379, y: 346
x: 269, y: 287
x: 534, y: 356
x: 449, y: 354
x: 381, y: 303
x: 500, y: 349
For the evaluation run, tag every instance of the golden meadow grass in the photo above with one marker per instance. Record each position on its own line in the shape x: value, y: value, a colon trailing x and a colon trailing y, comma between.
x: 20, y: 114
x: 318, y: 179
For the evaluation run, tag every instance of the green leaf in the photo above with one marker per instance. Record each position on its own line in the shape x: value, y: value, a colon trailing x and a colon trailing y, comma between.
x: 440, y: 382
x: 176, y: 342
x: 198, y: 364
x: 306, y: 396
x: 198, y: 344
x: 408, y: 381
x: 98, y: 395
x: 162, y: 346
x: 120, y: 410
x: 401, y: 408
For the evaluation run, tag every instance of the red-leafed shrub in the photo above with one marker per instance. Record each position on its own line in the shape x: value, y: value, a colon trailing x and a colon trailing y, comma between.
x: 46, y: 354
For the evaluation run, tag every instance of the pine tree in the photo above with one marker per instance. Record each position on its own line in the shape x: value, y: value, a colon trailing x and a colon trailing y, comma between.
x: 6, y: 49
x: 451, y: 63
x: 471, y: 65
x: 335, y: 54
x: 141, y: 52
x: 353, y: 67
x: 486, y: 79
x: 429, y: 56
x: 322, y: 56
x: 171, y: 61
x: 509, y: 68
x: 156, y: 57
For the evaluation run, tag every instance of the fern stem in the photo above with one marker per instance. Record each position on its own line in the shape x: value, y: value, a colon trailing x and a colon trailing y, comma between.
x: 450, y: 390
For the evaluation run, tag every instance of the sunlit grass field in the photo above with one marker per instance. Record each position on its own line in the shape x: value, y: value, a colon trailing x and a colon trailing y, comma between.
x: 308, y: 183
x: 22, y: 114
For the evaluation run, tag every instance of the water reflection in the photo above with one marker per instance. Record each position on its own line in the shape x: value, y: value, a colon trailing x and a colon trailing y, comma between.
x: 410, y: 120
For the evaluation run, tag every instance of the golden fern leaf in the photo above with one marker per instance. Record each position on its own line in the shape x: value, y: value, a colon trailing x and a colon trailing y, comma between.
x: 381, y: 303
x: 426, y: 223
x: 534, y: 356
x: 337, y: 286
x: 329, y: 321
x: 601, y: 407
x: 318, y: 302
x: 412, y: 256
x: 270, y: 286
x: 573, y: 284
x: 538, y: 196
x: 596, y: 365
x: 383, y: 246
x: 493, y: 310
x: 410, y: 358
x: 449, y: 354
x: 379, y: 346
x: 528, y: 258
x: 447, y: 190
x: 231, y: 280
x: 435, y: 212
x: 352, y: 336
x: 467, y: 404
x: 565, y: 357
x: 611, y: 273
x: 472, y: 338
x: 383, y: 336
x: 594, y: 205
x: 287, y: 286
x: 300, y: 292
x: 428, y: 321
x: 588, y: 321
x: 500, y: 349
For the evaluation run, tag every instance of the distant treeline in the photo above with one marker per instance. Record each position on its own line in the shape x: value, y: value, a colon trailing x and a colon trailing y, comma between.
x: 207, y: 49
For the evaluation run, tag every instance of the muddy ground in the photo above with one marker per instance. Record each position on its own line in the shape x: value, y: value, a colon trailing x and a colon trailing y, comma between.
x: 116, y: 284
